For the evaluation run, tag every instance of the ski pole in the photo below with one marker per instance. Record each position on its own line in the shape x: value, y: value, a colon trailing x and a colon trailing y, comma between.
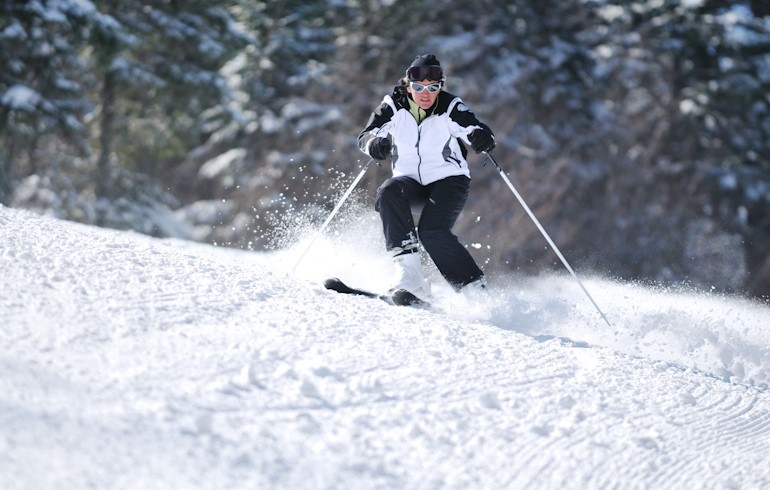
x: 545, y: 235
x: 334, y: 211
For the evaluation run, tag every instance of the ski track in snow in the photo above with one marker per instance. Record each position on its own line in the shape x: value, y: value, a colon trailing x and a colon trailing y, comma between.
x: 131, y: 362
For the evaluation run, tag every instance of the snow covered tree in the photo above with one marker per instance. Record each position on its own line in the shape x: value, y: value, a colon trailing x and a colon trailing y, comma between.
x: 41, y: 91
x: 686, y: 84
x: 159, y: 68
x: 289, y: 102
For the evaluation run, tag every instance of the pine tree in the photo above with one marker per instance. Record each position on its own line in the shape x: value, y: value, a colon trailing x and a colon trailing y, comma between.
x: 40, y: 84
x: 159, y: 62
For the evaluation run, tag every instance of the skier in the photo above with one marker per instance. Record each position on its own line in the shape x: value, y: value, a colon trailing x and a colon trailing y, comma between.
x: 423, y: 128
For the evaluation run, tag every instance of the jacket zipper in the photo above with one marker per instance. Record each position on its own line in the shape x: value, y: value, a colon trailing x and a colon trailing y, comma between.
x: 419, y: 155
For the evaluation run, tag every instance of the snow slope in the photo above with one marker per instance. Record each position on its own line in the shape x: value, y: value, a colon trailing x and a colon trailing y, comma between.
x: 131, y: 362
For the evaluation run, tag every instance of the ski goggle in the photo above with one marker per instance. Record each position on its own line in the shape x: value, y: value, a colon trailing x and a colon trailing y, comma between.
x: 418, y: 73
x: 418, y: 87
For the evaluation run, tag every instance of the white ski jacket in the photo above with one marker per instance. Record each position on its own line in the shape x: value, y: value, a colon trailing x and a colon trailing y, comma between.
x: 428, y: 151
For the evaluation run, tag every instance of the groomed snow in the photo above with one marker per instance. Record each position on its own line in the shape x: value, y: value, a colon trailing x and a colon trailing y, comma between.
x: 132, y: 362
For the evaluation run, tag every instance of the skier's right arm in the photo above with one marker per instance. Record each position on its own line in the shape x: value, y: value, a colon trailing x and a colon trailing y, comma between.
x: 374, y: 140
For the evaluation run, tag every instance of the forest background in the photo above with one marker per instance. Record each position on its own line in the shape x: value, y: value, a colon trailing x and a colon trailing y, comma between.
x: 638, y: 131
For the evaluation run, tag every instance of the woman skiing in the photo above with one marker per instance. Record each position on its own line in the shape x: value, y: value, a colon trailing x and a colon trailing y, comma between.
x: 423, y: 128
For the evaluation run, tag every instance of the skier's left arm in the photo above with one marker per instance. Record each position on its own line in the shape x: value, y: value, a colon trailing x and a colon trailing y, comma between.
x: 465, y: 125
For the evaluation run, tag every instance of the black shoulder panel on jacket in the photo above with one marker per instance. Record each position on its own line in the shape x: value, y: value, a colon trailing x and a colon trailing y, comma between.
x: 462, y: 115
x: 442, y: 102
x: 400, y: 95
x: 379, y: 117
x: 383, y: 111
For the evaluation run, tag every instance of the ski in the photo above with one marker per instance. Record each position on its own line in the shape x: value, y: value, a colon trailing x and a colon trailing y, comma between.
x: 400, y: 297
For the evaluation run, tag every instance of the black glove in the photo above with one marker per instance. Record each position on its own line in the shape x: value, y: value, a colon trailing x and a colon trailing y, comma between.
x: 482, y: 140
x: 380, y: 148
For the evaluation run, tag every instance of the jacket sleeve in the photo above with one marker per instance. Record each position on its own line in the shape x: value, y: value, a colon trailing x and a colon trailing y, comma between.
x: 463, y: 122
x: 378, y: 126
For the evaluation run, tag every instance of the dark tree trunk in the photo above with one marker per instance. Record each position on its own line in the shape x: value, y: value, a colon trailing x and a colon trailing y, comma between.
x: 104, y: 180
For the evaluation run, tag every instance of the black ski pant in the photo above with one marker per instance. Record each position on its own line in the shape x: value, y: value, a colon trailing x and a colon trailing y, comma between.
x: 441, y: 203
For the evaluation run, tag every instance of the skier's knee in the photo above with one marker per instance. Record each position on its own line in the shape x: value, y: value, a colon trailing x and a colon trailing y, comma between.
x: 387, y: 192
x: 429, y: 237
